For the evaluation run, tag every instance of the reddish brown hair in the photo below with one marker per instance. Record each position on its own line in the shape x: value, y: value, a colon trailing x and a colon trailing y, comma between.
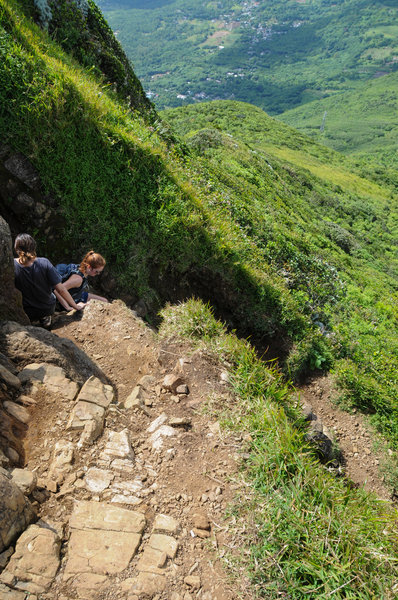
x: 93, y: 260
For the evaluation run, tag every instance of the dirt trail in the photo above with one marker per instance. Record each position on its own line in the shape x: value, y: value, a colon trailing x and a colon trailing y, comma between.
x: 190, y: 478
x: 159, y: 476
x: 360, y: 460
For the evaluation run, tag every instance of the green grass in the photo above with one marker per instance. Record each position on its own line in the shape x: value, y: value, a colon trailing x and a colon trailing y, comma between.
x: 329, y: 231
x: 287, y: 239
x: 307, y: 534
x: 362, y: 122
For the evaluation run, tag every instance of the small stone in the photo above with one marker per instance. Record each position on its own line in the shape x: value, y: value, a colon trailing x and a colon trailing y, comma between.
x: 164, y: 543
x: 201, y: 533
x: 193, y: 581
x: 160, y: 420
x: 48, y: 484
x: 118, y: 445
x: 135, y: 399
x: 148, y: 584
x: 96, y: 392
x: 201, y: 521
x: 171, y: 382
x: 25, y: 480
x: 10, y: 379
x: 156, y: 438
x: 97, y: 480
x: 164, y: 523
x: 182, y: 389
x: 17, y: 411
x: 180, y: 422
x: 12, y: 455
x: 4, y: 557
x: 27, y: 400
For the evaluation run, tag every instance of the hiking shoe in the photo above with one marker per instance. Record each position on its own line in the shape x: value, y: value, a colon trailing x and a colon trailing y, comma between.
x: 46, y: 322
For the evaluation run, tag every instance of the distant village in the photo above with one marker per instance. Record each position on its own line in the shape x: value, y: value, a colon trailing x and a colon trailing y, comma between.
x: 231, y: 21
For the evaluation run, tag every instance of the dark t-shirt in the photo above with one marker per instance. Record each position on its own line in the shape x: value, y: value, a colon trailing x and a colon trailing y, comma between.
x: 36, y: 284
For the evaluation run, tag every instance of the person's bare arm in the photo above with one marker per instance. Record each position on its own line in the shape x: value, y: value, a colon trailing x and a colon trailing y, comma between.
x: 61, y: 300
x: 63, y: 292
x: 74, y: 281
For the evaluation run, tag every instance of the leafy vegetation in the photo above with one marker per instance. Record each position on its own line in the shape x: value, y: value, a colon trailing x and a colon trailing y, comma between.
x: 274, y: 54
x: 327, y: 231
x: 362, y: 122
x: 327, y: 68
x: 309, y: 535
x: 285, y: 238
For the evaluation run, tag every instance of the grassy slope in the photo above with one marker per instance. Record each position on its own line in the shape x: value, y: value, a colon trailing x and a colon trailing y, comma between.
x: 141, y: 203
x: 302, y: 533
x: 330, y: 232
x: 363, y: 122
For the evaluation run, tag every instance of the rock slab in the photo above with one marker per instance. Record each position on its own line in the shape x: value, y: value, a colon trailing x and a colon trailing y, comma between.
x: 35, y: 562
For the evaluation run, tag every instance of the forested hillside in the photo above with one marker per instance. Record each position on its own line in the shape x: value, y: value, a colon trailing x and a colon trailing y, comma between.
x: 274, y: 54
x: 292, y: 245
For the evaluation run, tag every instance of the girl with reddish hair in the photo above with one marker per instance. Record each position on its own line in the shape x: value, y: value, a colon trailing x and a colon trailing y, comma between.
x: 74, y: 278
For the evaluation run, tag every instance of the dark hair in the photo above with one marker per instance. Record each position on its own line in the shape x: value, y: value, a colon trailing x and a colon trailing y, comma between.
x: 92, y: 260
x: 25, y: 247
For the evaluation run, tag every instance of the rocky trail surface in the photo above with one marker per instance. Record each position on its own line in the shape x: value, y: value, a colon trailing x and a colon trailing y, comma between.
x: 125, y: 465
x: 130, y: 478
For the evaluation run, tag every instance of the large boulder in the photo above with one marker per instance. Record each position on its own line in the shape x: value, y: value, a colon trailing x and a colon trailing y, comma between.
x: 16, y: 512
x: 25, y: 345
x: 10, y: 298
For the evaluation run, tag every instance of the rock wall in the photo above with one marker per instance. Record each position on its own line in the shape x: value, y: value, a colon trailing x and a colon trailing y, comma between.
x: 23, y: 203
x: 10, y: 298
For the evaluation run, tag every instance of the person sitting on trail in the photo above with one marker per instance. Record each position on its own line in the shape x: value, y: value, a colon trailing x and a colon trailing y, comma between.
x: 74, y: 278
x: 38, y: 281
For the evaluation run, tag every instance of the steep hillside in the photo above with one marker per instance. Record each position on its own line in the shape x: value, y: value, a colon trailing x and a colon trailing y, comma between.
x: 290, y: 247
x: 330, y: 232
x: 362, y: 123
x: 283, y: 239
